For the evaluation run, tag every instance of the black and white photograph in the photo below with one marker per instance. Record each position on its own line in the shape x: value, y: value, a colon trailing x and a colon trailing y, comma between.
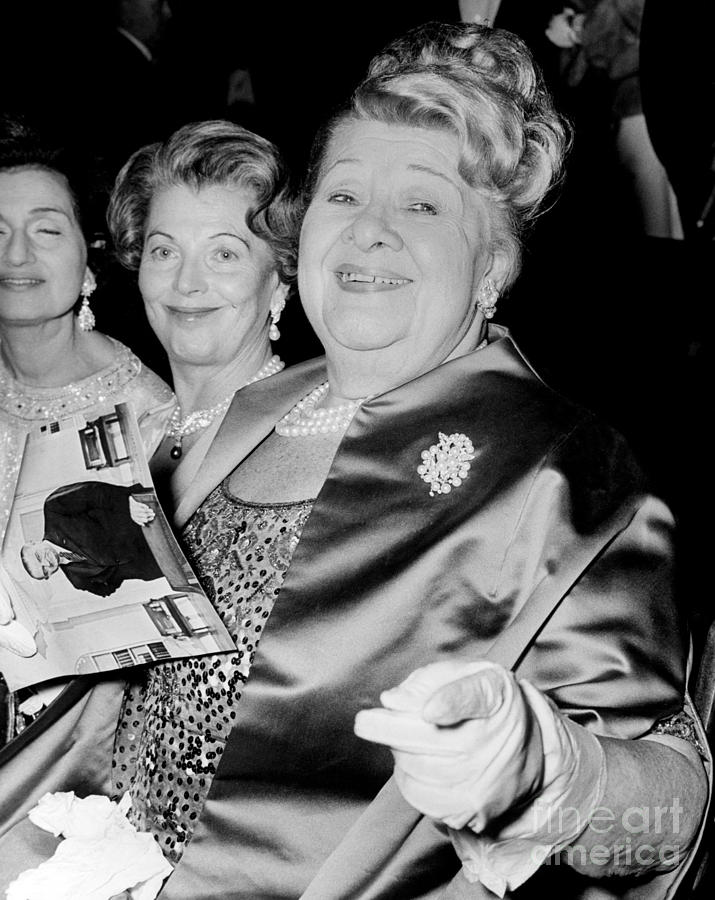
x: 91, y: 572
x: 411, y: 300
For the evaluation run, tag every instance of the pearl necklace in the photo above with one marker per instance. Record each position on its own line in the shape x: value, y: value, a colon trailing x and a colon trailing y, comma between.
x: 179, y: 428
x: 306, y: 418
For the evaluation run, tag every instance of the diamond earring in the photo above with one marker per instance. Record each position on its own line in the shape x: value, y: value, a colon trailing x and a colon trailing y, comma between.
x: 85, y: 316
x: 487, y: 299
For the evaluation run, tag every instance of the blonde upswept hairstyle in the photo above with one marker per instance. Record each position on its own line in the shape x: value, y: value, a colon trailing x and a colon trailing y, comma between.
x: 483, y: 85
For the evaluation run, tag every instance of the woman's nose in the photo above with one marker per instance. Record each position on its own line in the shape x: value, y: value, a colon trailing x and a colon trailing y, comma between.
x: 190, y: 277
x: 18, y: 249
x: 372, y: 228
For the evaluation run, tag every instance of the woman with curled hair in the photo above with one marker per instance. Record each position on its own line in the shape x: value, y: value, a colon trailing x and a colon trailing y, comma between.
x: 418, y: 509
x: 207, y: 220
x: 512, y: 144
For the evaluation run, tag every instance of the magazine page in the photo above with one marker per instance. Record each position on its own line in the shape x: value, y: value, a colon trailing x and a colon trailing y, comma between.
x: 91, y: 576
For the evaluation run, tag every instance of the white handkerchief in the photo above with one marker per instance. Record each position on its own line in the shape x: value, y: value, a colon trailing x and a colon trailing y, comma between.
x: 102, y: 854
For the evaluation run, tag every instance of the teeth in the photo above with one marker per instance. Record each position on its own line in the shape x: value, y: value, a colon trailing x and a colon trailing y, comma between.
x: 370, y: 279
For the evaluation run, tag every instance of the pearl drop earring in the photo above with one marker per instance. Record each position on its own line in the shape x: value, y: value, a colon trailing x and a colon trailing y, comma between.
x: 273, y: 332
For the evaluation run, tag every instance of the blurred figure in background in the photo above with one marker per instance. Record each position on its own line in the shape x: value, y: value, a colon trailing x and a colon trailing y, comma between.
x: 100, y: 83
x: 131, y: 97
x: 601, y: 38
x: 678, y: 87
x: 679, y: 105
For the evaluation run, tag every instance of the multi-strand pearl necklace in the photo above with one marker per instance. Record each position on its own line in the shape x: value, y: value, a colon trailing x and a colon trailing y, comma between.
x: 307, y: 418
x: 179, y: 427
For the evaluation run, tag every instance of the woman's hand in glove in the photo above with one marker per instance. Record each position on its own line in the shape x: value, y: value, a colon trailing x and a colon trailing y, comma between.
x: 466, y: 743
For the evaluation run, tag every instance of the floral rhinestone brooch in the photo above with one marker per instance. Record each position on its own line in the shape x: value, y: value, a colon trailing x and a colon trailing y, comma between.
x: 446, y: 464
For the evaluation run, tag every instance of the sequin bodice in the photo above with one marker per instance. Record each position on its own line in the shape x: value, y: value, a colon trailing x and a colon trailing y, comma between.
x: 173, y: 729
x: 23, y: 409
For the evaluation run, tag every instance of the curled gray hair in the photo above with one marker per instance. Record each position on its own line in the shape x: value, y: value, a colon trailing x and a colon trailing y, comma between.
x: 483, y: 85
x: 203, y: 154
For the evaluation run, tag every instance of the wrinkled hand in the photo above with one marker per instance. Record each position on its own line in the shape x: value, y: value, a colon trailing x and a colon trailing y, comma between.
x: 140, y: 512
x: 564, y: 29
x: 466, y: 743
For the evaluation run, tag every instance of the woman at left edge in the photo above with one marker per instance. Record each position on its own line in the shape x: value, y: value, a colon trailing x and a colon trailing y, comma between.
x: 53, y: 364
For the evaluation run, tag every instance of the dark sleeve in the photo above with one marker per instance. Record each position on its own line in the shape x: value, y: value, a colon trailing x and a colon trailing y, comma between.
x: 97, y: 502
x: 83, y: 497
x: 103, y: 583
x: 107, y: 583
x: 613, y: 655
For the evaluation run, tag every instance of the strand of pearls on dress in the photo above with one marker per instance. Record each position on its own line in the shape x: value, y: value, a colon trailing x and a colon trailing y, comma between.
x: 180, y: 427
x: 308, y: 418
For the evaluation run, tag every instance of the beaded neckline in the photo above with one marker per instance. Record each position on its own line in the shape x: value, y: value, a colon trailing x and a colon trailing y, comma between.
x: 225, y: 490
x: 40, y: 403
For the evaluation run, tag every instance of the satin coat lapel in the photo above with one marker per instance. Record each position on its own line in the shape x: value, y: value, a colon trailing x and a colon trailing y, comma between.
x: 373, y: 512
x: 373, y: 495
x: 376, y: 857
x: 250, y: 418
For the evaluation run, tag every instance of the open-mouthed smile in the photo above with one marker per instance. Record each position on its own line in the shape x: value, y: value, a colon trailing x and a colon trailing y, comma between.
x: 360, y: 280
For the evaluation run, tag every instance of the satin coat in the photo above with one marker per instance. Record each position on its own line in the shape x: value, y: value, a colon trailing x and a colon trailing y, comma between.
x: 387, y: 578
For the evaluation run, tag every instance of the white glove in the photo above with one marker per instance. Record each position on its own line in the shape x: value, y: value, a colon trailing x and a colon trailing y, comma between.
x: 471, y: 743
x: 464, y: 775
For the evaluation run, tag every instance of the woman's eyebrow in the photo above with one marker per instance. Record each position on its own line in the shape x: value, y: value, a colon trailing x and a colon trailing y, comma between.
x: 343, y: 161
x: 231, y: 234
x: 419, y: 167
x: 43, y: 210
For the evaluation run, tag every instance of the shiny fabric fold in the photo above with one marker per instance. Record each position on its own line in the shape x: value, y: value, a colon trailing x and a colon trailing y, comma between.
x: 385, y: 579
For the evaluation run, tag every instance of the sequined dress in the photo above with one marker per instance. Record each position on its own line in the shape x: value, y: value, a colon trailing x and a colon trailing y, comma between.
x: 23, y: 409
x: 173, y: 729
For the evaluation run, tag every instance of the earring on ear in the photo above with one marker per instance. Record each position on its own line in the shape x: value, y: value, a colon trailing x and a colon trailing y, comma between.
x: 487, y: 299
x: 85, y: 316
x: 276, y: 310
